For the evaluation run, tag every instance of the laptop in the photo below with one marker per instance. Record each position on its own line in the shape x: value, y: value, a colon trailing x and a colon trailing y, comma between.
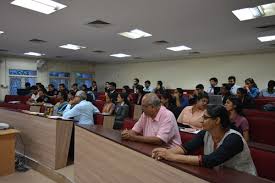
x: 215, y: 100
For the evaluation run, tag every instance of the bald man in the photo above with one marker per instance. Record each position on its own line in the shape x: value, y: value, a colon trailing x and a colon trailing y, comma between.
x: 157, y: 125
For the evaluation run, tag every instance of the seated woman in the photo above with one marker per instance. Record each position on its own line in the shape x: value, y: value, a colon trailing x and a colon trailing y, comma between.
x: 222, y: 145
x: 234, y: 107
x: 126, y: 89
x: 62, y: 104
x: 159, y: 88
x: 43, y: 98
x: 121, y: 110
x: 251, y: 87
x: 140, y: 94
x: 109, y: 106
x: 246, y: 100
x: 167, y: 101
x: 225, y: 92
x: 192, y: 115
x: 269, y: 91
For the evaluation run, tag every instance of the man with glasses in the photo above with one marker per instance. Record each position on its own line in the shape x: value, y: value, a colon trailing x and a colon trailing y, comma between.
x: 157, y: 125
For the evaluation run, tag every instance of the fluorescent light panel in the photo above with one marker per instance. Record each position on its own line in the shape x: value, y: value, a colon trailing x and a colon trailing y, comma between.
x: 42, y: 6
x: 179, y: 48
x: 267, y: 38
x: 135, y: 34
x: 72, y: 47
x: 120, y: 55
x: 1, y: 32
x: 34, y: 54
x: 255, y: 12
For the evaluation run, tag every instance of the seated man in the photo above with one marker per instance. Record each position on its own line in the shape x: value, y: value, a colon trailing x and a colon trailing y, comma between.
x: 82, y: 111
x: 34, y: 96
x: 157, y: 125
x: 52, y: 92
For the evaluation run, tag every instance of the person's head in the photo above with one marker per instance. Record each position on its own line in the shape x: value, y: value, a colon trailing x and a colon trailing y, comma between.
x: 202, y: 100
x: 62, y: 87
x: 34, y: 90
x: 108, y: 97
x: 241, y: 92
x: 84, y: 88
x: 126, y: 89
x: 159, y: 84
x: 216, y: 118
x: 94, y: 83
x: 250, y: 83
x: 107, y: 84
x: 147, y: 84
x: 136, y: 81
x: 232, y: 80
x: 225, y: 89
x: 27, y: 85
x: 165, y: 98
x: 75, y: 86
x: 41, y: 87
x: 233, y: 103
x: 71, y: 94
x: 140, y: 89
x: 213, y: 81
x: 38, y: 84
x: 122, y: 97
x: 178, y: 92
x: 271, y: 85
x: 62, y: 96
x: 112, y: 86
x: 79, y: 96
x: 41, y: 92
x: 200, y: 89
x: 50, y: 87
x: 150, y: 104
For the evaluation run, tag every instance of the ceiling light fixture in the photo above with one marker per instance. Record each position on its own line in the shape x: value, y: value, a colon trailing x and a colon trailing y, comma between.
x: 179, y: 48
x: 120, y: 55
x: 42, y: 6
x: 255, y: 12
x: 34, y: 54
x: 266, y: 38
x: 72, y: 47
x: 135, y: 34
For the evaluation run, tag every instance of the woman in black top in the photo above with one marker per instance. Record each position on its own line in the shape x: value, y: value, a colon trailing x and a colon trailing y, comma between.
x: 222, y: 145
x: 247, y: 101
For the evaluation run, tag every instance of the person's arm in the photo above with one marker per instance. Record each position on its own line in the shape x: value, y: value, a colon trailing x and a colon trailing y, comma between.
x: 133, y: 136
x: 96, y: 110
x: 68, y: 112
x: 246, y: 135
x: 253, y: 92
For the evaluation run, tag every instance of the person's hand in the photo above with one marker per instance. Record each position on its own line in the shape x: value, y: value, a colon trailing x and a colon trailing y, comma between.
x: 127, y: 135
x: 162, y: 153
x: 246, y: 87
x: 71, y: 102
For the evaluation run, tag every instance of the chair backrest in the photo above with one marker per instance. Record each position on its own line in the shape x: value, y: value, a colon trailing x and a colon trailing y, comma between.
x: 99, y: 104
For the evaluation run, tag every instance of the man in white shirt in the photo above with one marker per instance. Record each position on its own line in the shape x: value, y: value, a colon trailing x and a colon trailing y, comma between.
x: 34, y: 96
x: 213, y: 84
x: 148, y: 88
x: 232, y: 83
x: 82, y: 111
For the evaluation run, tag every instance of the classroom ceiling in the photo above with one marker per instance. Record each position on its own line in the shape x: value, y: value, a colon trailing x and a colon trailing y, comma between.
x: 207, y: 26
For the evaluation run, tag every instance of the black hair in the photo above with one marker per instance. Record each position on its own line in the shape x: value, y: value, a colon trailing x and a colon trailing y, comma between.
x: 220, y: 111
x: 214, y: 79
x: 63, y: 85
x: 51, y: 85
x: 127, y: 88
x: 27, y: 84
x: 201, y: 96
x: 160, y: 83
x: 64, y: 95
x: 237, y: 102
x: 232, y: 77
x: 200, y: 86
x: 85, y: 87
x: 34, y: 87
x: 124, y: 96
x: 137, y: 80
x: 113, y: 84
x: 242, y: 91
x: 75, y: 84
x: 226, y: 86
x: 94, y: 81
x: 180, y: 90
x: 251, y: 80
x: 148, y: 82
x: 140, y: 88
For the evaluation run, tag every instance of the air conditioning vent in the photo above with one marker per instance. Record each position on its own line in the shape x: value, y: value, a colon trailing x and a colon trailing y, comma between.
x: 3, y: 50
x: 99, y: 51
x: 37, y: 41
x: 98, y: 24
x: 161, y: 42
x: 266, y: 27
x: 137, y: 58
x: 194, y: 53
x: 59, y: 57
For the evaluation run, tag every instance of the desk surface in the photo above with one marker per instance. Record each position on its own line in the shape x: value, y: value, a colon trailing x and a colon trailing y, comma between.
x: 224, y: 175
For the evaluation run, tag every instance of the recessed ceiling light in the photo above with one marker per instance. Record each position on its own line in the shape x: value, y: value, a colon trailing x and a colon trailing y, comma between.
x: 120, y: 55
x: 266, y: 38
x: 42, y: 6
x: 72, y: 47
x: 264, y: 10
x: 1, y: 32
x: 34, y: 54
x: 179, y: 48
x: 135, y: 34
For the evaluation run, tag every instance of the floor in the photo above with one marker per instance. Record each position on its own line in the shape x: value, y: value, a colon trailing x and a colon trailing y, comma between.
x: 30, y: 176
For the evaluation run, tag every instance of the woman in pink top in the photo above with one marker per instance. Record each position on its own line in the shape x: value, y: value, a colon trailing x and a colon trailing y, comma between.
x: 109, y: 107
x: 234, y: 107
x: 192, y: 115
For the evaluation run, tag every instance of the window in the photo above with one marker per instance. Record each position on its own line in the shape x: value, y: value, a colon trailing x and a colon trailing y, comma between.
x: 19, y: 77
x: 84, y: 78
x: 57, y: 78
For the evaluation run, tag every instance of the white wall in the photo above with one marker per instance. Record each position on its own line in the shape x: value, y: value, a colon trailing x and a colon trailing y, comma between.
x: 189, y: 72
x: 7, y: 63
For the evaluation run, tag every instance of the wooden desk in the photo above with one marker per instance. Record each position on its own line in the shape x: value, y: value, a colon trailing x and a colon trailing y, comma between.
x: 7, y: 151
x: 46, y: 140
x: 101, y: 156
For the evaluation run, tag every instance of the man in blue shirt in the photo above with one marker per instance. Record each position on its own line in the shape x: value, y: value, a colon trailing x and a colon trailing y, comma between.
x: 82, y: 110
